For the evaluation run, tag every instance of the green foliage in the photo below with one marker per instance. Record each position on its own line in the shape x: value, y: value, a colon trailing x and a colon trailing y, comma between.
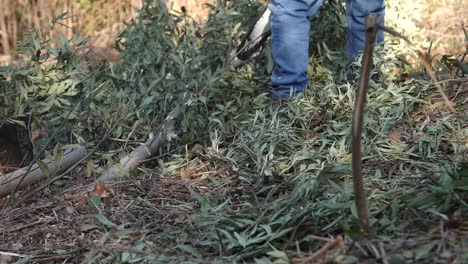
x: 289, y: 162
x: 49, y: 86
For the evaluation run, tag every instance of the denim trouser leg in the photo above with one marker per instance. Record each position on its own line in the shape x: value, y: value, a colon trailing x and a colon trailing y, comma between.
x: 290, y: 27
x: 356, y: 12
x: 290, y: 39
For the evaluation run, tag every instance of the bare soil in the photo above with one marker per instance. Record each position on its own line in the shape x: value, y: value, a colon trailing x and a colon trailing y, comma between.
x: 62, y: 224
x: 445, y: 23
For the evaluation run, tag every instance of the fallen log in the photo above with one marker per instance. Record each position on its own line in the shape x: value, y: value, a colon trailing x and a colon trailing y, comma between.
x: 20, y: 179
x: 148, y: 149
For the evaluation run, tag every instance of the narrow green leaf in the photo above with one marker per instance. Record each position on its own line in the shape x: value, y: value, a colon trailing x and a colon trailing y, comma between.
x: 36, y: 43
x: 43, y: 167
x: 190, y: 249
x: 461, y: 184
x: 242, y: 241
x: 89, y: 168
x: 101, y: 218
x: 95, y: 201
x: 125, y: 256
x: 58, y: 154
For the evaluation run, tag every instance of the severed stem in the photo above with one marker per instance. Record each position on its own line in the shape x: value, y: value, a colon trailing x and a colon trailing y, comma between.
x: 358, y: 119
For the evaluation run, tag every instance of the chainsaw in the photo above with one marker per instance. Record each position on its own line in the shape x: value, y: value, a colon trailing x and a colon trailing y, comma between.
x: 254, y: 41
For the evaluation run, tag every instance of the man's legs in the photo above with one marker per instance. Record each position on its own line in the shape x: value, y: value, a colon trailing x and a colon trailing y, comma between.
x: 290, y: 28
x: 356, y: 12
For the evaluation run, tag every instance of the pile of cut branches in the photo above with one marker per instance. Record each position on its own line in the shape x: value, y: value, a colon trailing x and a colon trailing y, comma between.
x: 236, y: 176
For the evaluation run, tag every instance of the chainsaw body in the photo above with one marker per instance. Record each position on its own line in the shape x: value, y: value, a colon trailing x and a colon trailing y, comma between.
x: 254, y: 41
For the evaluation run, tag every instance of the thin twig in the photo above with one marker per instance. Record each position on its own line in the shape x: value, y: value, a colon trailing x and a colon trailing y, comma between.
x: 458, y: 93
x: 4, y: 253
x: 338, y: 242
x: 324, y: 239
x: 122, y: 248
x: 453, y: 80
x: 22, y: 227
x: 384, y: 254
x: 427, y: 65
x: 293, y: 234
x: 55, y: 257
x: 431, y: 73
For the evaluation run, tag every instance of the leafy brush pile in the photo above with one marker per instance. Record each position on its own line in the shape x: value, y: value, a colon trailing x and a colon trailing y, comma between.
x: 250, y: 179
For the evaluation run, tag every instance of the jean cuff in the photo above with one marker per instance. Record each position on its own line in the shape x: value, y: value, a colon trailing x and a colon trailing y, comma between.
x: 286, y: 92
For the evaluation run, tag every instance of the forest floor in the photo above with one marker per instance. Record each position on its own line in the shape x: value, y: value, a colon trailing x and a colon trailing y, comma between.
x: 162, y: 216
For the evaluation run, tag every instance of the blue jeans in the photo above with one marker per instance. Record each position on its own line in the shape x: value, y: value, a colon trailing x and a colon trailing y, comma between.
x: 290, y: 27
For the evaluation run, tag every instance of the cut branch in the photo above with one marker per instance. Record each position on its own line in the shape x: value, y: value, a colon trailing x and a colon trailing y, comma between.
x: 21, y: 178
x: 358, y: 119
x: 148, y: 149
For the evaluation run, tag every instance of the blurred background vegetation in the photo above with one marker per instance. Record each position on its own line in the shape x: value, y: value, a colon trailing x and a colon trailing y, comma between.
x: 102, y: 19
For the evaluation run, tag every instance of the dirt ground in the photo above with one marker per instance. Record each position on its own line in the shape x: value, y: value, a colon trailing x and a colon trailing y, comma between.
x: 61, y: 224
x: 446, y: 23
